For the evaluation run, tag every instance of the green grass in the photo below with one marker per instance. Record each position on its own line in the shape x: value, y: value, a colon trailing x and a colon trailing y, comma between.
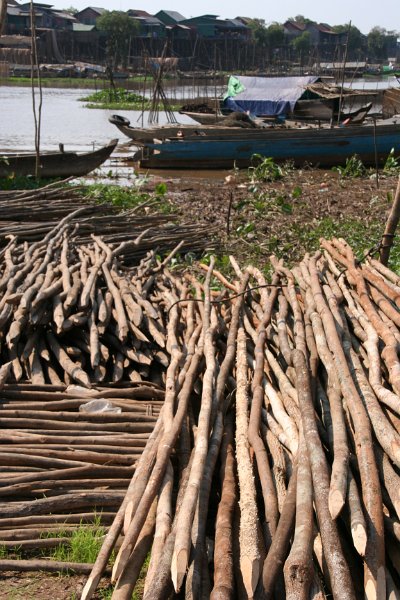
x: 132, y: 197
x: 70, y: 82
x: 139, y: 587
x: 119, y: 99
x: 85, y: 543
x: 15, y: 553
x: 22, y: 182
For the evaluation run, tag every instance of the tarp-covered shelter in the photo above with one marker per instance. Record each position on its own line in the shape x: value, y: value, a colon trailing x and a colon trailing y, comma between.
x: 265, y: 96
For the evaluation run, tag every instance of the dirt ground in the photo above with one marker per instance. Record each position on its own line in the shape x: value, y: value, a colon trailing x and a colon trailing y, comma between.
x: 284, y: 217
x: 45, y: 586
x: 250, y: 221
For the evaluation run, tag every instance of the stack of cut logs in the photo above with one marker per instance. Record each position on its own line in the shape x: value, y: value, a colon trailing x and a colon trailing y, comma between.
x: 273, y: 471
x: 65, y: 453
x: 262, y: 420
x: 31, y: 215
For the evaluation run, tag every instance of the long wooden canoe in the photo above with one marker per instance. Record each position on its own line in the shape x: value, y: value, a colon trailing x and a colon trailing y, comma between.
x: 54, y: 164
x: 323, y: 147
x: 141, y: 135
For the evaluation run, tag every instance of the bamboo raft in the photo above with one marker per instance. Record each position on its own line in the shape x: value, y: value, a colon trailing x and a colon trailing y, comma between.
x: 257, y: 453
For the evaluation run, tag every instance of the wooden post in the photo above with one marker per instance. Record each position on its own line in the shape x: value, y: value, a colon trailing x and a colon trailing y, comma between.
x: 391, y: 224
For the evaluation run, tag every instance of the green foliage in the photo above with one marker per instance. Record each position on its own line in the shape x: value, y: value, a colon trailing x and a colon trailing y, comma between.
x: 117, y: 98
x: 392, y: 164
x: 85, y: 543
x: 106, y: 593
x: 270, y: 37
x: 222, y: 263
x: 14, y: 182
x: 71, y: 10
x: 15, y: 553
x: 139, y: 587
x: 353, y: 168
x: 377, y: 40
x: 302, y: 43
x: 245, y: 228
x: 360, y: 235
x: 119, y: 28
x: 275, y: 35
x: 131, y: 197
x: 297, y: 192
x: 266, y: 169
x: 301, y: 19
x: 356, y: 42
x: 258, y: 31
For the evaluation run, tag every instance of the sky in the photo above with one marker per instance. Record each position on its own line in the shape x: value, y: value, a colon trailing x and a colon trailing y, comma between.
x: 364, y: 14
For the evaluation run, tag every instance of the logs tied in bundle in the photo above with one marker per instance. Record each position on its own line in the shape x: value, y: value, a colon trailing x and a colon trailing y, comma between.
x: 275, y: 469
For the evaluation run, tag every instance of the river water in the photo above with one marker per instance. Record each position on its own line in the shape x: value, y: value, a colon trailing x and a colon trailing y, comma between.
x: 66, y: 120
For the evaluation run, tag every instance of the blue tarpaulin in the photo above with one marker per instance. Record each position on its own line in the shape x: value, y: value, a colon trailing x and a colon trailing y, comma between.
x: 265, y: 96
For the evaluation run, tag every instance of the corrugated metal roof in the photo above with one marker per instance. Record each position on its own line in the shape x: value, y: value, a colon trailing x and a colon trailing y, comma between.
x: 174, y: 15
x: 339, y: 65
x: 65, y: 15
x: 235, y: 23
x: 15, y: 11
x: 138, y: 13
x: 99, y: 10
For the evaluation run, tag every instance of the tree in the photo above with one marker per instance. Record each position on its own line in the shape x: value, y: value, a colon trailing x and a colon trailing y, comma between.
x: 302, y: 44
x: 275, y: 35
x: 356, y: 45
x: 119, y: 28
x: 270, y: 37
x: 71, y: 10
x: 301, y: 19
x: 258, y: 31
x: 378, y: 42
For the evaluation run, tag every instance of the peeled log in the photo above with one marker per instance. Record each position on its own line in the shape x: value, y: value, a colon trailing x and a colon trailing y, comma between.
x: 341, y: 582
x: 298, y: 569
x: 224, y: 581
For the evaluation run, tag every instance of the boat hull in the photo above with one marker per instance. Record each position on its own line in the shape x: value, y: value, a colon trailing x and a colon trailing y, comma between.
x: 55, y: 164
x: 318, y: 147
x: 141, y: 136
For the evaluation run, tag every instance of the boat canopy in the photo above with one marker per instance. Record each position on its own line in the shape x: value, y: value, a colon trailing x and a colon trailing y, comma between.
x: 265, y: 96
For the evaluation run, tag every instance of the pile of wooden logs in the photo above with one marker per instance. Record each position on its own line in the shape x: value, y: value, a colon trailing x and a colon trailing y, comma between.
x: 73, y: 312
x: 257, y: 453
x: 273, y: 470
x: 31, y: 215
x: 67, y: 452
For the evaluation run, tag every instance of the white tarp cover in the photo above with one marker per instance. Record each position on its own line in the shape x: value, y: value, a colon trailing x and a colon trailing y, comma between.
x: 265, y: 96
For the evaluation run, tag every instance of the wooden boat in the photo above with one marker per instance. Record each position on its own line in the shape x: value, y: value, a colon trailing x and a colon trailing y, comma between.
x: 140, y: 135
x: 205, y: 118
x: 323, y: 147
x: 55, y: 164
x: 311, y: 110
x: 391, y: 102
